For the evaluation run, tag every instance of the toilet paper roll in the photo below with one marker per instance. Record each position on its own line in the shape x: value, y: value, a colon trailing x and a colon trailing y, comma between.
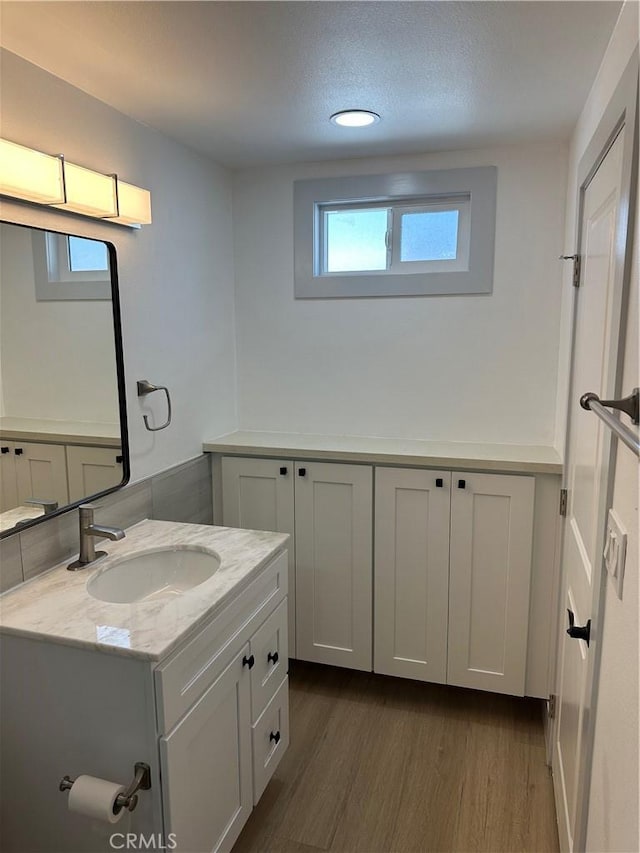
x: 95, y: 798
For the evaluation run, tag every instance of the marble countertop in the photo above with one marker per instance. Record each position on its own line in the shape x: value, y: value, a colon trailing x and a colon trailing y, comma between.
x: 10, y: 517
x: 56, y: 606
x: 60, y: 432
x: 392, y: 451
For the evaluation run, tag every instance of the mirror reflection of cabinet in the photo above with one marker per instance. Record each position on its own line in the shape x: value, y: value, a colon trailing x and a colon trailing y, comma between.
x: 62, y: 405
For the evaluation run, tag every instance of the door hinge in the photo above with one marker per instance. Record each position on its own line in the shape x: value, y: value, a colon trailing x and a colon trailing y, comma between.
x: 551, y: 708
x: 576, y: 270
x: 576, y: 267
x: 564, y: 495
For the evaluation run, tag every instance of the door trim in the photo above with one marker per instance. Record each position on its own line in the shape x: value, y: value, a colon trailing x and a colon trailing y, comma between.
x: 620, y: 112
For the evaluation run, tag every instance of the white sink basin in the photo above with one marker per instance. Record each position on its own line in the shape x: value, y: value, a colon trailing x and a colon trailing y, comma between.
x: 154, y: 574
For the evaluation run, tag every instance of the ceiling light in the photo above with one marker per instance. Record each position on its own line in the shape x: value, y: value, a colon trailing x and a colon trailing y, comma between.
x: 355, y: 118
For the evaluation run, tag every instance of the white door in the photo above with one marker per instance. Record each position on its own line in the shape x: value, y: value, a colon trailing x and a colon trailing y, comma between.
x: 41, y: 472
x: 206, y: 766
x: 411, y: 576
x: 257, y: 494
x: 92, y: 470
x: 588, y: 448
x: 489, y: 581
x: 8, y: 482
x: 334, y: 508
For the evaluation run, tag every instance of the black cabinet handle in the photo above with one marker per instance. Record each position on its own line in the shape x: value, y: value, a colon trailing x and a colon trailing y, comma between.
x: 462, y: 484
x: 18, y: 451
x: 302, y: 472
x: 439, y: 483
x: 119, y: 459
x: 275, y: 736
x: 578, y: 632
x: 273, y: 657
x: 283, y: 471
x: 248, y: 661
x: 5, y: 449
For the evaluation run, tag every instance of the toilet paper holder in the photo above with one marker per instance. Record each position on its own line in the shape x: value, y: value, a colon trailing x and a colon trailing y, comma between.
x: 127, y: 799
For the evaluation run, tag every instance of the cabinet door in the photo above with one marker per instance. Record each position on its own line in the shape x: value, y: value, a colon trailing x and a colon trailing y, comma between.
x: 412, y: 573
x: 490, y: 568
x: 334, y: 507
x: 41, y: 472
x: 257, y: 494
x: 8, y: 482
x: 92, y: 470
x: 206, y: 766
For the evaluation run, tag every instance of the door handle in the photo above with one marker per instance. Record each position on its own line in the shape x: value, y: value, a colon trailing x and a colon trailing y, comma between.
x: 248, y: 661
x: 283, y: 471
x: 302, y: 472
x: 578, y: 632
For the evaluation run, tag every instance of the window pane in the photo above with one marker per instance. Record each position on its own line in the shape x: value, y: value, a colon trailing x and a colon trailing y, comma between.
x: 356, y: 240
x: 87, y: 255
x: 429, y: 236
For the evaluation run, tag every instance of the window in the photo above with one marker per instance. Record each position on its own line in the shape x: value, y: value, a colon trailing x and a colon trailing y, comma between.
x: 395, y: 235
x: 70, y: 268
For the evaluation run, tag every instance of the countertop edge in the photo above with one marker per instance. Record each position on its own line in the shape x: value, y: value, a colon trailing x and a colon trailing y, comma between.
x: 60, y: 438
x: 375, y: 457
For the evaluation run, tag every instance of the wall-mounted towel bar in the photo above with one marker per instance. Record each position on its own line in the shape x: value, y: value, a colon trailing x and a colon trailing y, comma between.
x: 629, y: 405
x: 145, y: 387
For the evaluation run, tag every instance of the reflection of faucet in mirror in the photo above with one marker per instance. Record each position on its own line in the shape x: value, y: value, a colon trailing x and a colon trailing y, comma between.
x: 89, y: 531
x: 47, y: 506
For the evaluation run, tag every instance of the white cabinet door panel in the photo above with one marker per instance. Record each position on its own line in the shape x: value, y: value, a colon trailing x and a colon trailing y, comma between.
x: 270, y: 737
x: 490, y: 568
x: 333, y: 563
x: 41, y: 472
x: 206, y: 765
x: 412, y: 573
x: 257, y: 494
x: 8, y: 481
x: 92, y: 470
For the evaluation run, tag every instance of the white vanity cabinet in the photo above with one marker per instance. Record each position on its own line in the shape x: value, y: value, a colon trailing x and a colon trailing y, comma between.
x: 452, y: 577
x: 32, y: 471
x: 329, y: 507
x: 92, y: 469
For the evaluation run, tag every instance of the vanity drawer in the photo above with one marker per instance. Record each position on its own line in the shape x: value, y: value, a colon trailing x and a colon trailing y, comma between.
x: 184, y: 677
x: 269, y: 647
x: 270, y: 739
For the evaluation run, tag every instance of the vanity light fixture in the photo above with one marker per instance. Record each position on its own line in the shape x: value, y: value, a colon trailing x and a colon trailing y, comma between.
x: 355, y: 118
x: 41, y: 178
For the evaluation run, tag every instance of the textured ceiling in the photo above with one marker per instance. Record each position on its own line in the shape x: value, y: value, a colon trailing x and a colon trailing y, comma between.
x: 256, y: 82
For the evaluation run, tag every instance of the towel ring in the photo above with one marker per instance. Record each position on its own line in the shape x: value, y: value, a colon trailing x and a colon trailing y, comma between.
x: 145, y: 387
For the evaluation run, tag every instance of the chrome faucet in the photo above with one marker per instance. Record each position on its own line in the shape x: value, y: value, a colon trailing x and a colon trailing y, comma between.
x: 88, y: 532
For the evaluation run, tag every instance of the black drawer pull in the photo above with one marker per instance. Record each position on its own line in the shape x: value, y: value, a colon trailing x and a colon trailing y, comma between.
x: 248, y: 661
x: 302, y: 472
x: 5, y: 449
x: 275, y: 736
x: 283, y: 471
x: 18, y: 451
x: 273, y: 657
x: 439, y: 483
x: 578, y: 632
x: 462, y: 484
x: 119, y: 459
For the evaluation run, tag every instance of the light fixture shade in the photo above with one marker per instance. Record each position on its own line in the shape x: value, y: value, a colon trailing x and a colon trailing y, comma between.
x: 88, y: 192
x: 134, y: 204
x: 30, y: 175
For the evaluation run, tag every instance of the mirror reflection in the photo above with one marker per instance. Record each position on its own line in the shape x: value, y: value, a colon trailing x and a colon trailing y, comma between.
x: 60, y: 435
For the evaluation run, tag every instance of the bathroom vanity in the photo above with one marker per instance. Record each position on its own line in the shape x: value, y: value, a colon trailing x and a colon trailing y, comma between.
x: 192, y: 682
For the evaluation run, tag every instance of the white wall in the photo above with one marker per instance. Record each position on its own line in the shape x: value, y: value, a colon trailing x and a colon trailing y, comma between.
x: 176, y: 275
x: 57, y: 359
x: 463, y: 368
x: 614, y: 795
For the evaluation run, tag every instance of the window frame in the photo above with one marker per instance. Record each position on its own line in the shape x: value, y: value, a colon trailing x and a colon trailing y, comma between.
x: 415, y: 191
x: 54, y: 278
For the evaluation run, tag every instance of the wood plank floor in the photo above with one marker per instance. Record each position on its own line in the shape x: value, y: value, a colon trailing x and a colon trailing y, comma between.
x: 385, y: 765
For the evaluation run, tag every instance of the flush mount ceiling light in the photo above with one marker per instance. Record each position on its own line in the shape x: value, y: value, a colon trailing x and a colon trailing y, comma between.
x: 355, y: 118
x: 41, y: 178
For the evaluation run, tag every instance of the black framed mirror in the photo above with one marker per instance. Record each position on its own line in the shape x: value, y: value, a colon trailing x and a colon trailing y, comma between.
x: 63, y: 418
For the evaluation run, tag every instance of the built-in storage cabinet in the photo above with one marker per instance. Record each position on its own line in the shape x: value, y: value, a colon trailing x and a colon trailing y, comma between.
x: 92, y: 469
x: 490, y: 573
x: 333, y: 521
x: 447, y: 597
x: 412, y: 572
x: 33, y: 471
